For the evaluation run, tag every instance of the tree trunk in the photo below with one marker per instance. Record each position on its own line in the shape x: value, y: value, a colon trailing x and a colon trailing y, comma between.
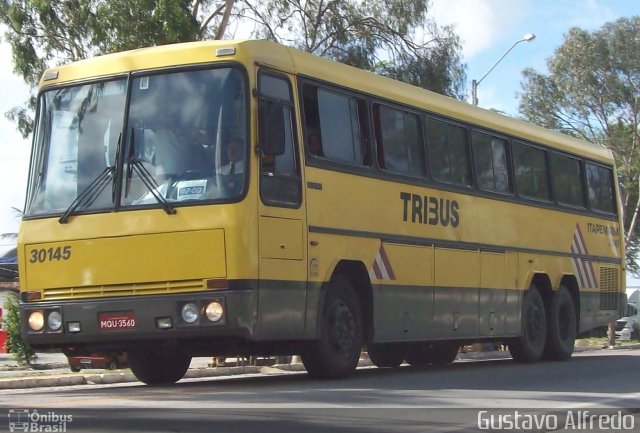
x: 225, y: 20
x: 634, y: 220
x: 612, y: 334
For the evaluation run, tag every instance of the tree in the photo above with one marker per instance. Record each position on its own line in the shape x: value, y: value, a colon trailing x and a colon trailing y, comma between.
x: 372, y: 35
x: 592, y: 91
x: 21, y: 351
x: 44, y: 34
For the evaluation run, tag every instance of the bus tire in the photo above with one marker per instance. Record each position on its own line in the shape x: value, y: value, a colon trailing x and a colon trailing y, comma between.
x: 386, y: 355
x: 561, y: 326
x: 437, y: 353
x: 417, y: 355
x: 444, y: 353
x: 337, y: 352
x: 158, y: 366
x: 530, y: 345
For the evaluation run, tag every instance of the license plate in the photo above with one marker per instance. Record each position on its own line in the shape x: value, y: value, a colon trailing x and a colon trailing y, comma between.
x: 117, y: 321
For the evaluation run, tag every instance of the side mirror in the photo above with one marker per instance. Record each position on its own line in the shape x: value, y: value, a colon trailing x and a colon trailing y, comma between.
x: 272, y: 135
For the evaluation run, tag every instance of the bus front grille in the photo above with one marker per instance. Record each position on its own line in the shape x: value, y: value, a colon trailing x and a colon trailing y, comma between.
x: 123, y: 290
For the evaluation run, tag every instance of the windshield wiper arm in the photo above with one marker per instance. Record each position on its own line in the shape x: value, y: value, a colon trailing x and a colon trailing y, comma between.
x: 89, y: 194
x: 134, y: 164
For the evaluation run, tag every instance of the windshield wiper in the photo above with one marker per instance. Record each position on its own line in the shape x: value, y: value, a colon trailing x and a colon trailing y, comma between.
x: 95, y: 188
x: 89, y: 194
x: 135, y: 164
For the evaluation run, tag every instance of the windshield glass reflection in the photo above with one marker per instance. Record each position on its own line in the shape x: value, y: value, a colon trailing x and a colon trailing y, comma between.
x: 76, y: 140
x: 194, y: 150
x: 185, y: 142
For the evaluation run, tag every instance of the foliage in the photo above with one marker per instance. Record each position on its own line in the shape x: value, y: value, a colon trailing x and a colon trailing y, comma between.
x: 21, y: 351
x: 592, y: 91
x: 375, y: 35
x: 49, y: 33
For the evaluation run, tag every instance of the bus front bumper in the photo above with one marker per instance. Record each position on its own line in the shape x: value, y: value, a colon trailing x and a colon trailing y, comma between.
x: 129, y: 319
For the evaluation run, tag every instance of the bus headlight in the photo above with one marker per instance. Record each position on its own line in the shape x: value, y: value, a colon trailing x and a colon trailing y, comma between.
x: 189, y: 312
x: 54, y: 320
x: 36, y: 320
x: 214, y: 311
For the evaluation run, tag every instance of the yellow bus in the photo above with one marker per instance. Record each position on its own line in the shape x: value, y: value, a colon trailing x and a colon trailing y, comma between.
x: 245, y: 198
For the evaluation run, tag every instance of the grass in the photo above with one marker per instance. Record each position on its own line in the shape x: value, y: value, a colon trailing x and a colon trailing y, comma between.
x: 602, y: 341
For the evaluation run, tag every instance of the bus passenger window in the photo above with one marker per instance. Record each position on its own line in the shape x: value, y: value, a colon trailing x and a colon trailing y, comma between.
x: 531, y: 172
x: 490, y: 160
x: 334, y: 125
x: 448, y: 151
x: 400, y: 147
x: 567, y: 180
x: 600, y: 185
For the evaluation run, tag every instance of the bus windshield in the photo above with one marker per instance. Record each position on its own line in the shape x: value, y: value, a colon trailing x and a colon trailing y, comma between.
x: 183, y: 141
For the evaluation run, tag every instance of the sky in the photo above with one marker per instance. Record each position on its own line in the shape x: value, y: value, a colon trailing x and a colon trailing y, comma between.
x: 487, y: 29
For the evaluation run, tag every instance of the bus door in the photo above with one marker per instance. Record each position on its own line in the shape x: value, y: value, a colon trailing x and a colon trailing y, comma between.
x: 282, y: 237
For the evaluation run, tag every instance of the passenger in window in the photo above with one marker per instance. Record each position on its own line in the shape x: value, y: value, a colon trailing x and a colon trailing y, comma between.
x: 315, y: 144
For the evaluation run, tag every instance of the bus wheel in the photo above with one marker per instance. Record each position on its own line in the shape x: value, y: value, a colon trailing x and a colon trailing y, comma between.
x: 530, y: 345
x: 561, y: 327
x: 386, y: 355
x: 444, y: 353
x: 419, y: 354
x: 337, y: 352
x: 439, y: 353
x: 158, y: 366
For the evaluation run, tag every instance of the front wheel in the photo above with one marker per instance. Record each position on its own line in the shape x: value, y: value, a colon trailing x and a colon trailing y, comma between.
x: 337, y: 352
x: 158, y: 366
x: 530, y: 345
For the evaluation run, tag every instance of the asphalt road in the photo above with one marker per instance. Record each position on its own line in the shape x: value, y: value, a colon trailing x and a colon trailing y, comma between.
x: 592, y: 388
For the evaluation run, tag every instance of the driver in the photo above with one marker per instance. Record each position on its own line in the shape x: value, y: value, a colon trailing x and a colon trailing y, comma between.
x: 235, y: 155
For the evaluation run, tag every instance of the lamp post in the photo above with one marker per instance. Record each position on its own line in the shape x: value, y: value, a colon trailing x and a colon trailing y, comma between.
x: 474, y: 83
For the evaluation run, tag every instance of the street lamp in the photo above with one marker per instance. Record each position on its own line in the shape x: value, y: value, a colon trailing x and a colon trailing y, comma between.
x: 474, y: 84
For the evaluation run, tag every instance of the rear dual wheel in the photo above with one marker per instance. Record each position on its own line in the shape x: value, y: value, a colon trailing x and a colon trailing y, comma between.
x: 530, y: 345
x: 546, y: 334
x: 561, y: 326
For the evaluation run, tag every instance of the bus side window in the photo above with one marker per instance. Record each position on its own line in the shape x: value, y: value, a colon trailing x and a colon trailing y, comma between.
x: 600, y: 188
x: 400, y: 146
x: 335, y: 125
x: 531, y: 172
x: 567, y: 180
x: 448, y: 152
x: 491, y: 163
x: 280, y: 171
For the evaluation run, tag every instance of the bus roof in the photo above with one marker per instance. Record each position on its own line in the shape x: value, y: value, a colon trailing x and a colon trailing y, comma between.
x: 295, y: 61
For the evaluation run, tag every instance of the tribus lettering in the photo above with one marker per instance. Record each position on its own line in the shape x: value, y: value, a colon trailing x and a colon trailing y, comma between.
x: 429, y: 210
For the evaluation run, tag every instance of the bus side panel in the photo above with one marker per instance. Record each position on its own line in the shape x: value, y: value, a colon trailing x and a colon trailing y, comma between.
x: 402, y: 280
x: 457, y: 282
x: 499, y: 297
